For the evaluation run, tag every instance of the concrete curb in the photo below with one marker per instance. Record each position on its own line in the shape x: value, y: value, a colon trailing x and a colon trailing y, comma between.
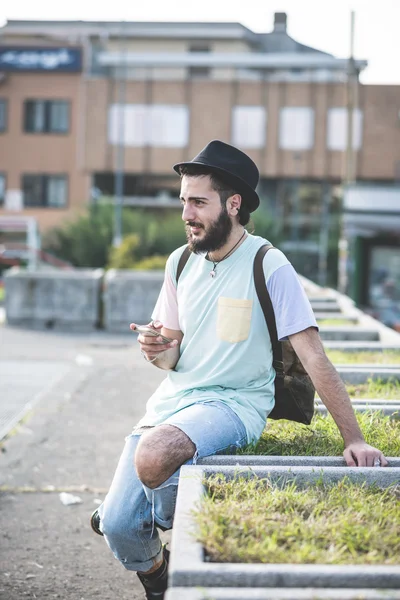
x: 349, y: 321
x: 354, y: 334
x: 188, y: 569
x: 253, y: 460
x: 349, y: 346
x: 388, y: 409
x: 328, y: 307
x: 182, y: 593
x: 361, y: 373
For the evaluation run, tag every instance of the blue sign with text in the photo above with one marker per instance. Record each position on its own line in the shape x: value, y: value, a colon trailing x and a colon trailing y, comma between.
x: 67, y: 60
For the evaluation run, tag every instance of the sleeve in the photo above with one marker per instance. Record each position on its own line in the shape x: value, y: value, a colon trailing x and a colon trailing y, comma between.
x: 166, y: 308
x: 293, y: 311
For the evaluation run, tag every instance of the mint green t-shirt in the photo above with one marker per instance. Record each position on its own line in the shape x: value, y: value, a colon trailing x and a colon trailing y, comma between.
x: 226, y: 351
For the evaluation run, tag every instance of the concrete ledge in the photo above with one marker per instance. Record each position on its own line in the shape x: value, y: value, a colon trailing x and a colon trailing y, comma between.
x: 388, y: 409
x: 65, y: 300
x: 335, y: 316
x: 188, y: 568
x: 349, y: 346
x: 130, y: 296
x: 253, y: 460
x: 181, y: 593
x: 361, y: 373
x: 342, y: 333
x: 326, y: 307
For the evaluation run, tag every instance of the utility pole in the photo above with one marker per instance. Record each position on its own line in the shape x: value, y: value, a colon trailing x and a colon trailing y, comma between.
x: 120, y: 152
x: 349, y: 166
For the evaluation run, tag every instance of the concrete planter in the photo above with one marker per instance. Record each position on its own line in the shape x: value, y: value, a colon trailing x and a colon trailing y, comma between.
x: 189, y: 569
x: 130, y: 296
x: 67, y: 300
x: 361, y: 373
x: 354, y: 334
x: 279, y: 594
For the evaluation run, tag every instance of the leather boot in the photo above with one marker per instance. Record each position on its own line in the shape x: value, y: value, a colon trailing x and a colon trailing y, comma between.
x: 155, y: 584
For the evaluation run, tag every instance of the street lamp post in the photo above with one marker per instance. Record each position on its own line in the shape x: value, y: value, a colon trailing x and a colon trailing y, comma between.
x: 120, y: 152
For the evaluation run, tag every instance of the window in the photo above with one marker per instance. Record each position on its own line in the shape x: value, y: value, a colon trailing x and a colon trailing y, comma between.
x: 337, y: 129
x: 296, y: 128
x: 2, y: 188
x: 249, y: 126
x: 3, y: 115
x: 199, y: 71
x: 45, y: 190
x: 46, y: 116
x: 161, y: 125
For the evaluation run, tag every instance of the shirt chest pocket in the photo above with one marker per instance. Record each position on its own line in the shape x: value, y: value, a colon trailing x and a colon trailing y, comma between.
x: 234, y: 319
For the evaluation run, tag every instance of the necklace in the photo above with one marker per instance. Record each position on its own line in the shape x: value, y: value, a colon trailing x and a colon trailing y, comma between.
x: 216, y: 262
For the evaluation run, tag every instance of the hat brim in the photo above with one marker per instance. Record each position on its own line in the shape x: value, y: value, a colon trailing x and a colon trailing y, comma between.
x: 250, y: 196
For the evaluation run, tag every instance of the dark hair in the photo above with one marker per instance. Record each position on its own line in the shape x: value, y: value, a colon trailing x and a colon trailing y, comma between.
x: 218, y: 184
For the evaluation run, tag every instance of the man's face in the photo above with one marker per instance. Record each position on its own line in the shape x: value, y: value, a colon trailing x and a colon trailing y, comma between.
x: 207, y: 222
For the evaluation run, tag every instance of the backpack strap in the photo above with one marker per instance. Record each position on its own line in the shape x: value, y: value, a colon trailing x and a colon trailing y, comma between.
x: 268, y: 309
x: 182, y: 262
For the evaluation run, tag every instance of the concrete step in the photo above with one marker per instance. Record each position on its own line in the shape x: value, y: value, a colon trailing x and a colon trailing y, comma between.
x: 253, y: 460
x: 217, y: 593
x: 356, y: 346
x: 355, y: 334
x: 361, y: 373
x: 388, y: 409
x: 337, y: 315
x: 325, y: 306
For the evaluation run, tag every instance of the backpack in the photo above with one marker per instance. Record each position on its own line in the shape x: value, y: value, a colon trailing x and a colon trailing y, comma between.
x: 294, y: 390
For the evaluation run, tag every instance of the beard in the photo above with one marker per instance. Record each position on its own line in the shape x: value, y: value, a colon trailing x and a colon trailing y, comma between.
x: 216, y: 234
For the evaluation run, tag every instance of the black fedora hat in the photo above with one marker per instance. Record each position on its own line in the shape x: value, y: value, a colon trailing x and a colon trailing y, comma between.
x: 234, y: 167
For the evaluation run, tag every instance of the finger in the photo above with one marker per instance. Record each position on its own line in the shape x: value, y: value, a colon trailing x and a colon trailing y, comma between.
x: 151, y: 346
x: 349, y: 458
x: 132, y: 326
x: 361, y: 458
x: 370, y: 460
x: 384, y: 462
x: 156, y: 324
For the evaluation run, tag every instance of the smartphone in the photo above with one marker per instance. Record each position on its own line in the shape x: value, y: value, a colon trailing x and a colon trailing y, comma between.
x: 147, y: 330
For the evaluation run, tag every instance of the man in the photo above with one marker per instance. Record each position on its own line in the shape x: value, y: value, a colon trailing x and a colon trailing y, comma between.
x: 219, y: 388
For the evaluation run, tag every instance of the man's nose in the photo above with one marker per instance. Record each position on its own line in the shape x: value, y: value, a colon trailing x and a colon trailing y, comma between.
x: 188, y: 212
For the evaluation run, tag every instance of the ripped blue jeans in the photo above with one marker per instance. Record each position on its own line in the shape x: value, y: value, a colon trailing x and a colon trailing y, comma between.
x: 131, y: 510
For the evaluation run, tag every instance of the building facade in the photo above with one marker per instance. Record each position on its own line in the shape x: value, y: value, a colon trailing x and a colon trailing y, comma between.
x: 91, y: 109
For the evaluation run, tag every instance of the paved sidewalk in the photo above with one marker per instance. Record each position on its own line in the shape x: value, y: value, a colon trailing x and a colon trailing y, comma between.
x: 70, y: 441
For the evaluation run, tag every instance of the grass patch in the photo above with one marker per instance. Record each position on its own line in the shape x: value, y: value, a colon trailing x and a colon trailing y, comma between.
x: 375, y: 388
x: 254, y: 521
x: 322, y: 437
x: 333, y: 322
x: 386, y: 357
x: 2, y: 293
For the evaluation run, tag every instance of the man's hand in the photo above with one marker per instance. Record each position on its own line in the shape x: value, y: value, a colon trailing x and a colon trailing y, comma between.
x: 154, y: 349
x: 151, y: 345
x: 361, y: 454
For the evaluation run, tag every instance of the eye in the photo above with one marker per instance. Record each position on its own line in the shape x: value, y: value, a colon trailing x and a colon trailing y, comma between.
x: 181, y: 200
x: 198, y: 202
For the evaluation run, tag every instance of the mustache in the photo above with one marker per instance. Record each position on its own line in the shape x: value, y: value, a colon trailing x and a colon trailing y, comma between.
x: 194, y: 224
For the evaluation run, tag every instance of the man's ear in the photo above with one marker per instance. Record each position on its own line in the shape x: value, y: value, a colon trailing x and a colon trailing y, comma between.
x: 233, y: 204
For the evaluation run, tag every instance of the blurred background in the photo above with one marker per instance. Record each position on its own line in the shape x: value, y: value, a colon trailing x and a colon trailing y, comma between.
x: 97, y: 104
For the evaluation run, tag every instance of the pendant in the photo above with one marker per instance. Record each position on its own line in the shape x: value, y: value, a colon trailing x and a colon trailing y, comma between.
x: 213, y: 273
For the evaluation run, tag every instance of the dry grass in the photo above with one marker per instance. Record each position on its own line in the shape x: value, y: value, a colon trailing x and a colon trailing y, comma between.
x: 255, y: 521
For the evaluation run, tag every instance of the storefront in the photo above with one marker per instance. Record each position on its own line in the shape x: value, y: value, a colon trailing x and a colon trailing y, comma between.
x: 372, y: 229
